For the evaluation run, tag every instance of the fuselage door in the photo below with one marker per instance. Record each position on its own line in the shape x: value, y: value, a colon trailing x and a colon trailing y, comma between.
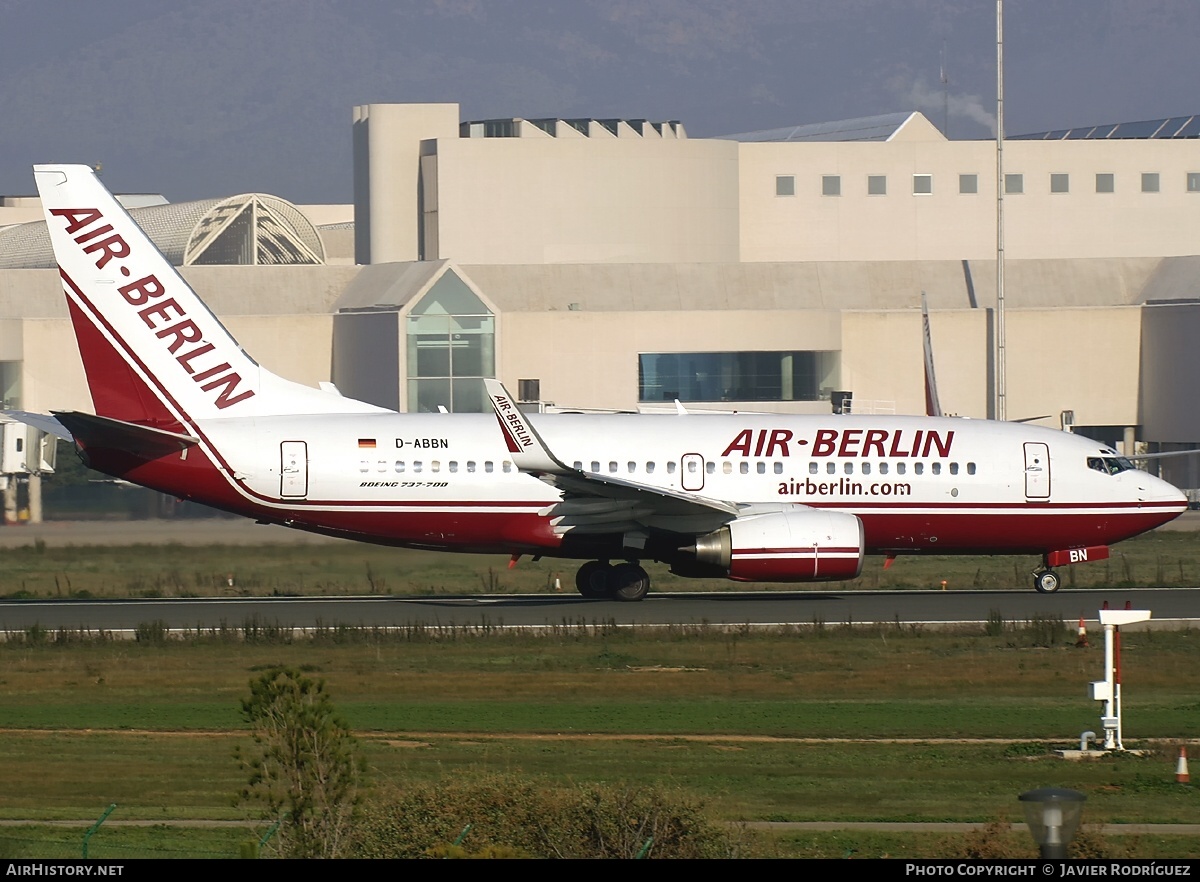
x: 293, y: 469
x: 1037, y: 471
x: 691, y: 468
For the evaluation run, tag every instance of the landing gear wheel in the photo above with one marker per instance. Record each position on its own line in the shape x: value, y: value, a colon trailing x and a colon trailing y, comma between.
x: 591, y: 579
x: 628, y: 581
x: 1046, y: 581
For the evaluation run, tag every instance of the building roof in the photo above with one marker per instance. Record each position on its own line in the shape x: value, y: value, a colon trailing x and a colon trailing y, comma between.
x: 252, y: 228
x: 863, y: 128
x: 1168, y: 128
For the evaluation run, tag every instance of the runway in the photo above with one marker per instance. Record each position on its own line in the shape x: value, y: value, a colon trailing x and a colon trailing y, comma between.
x: 1171, y: 608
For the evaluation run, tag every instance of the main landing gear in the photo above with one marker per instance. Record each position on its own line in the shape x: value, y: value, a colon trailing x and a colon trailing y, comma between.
x: 1046, y: 581
x: 624, y: 581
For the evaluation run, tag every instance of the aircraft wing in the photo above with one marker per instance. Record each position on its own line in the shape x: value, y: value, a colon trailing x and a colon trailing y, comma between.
x: 601, y: 503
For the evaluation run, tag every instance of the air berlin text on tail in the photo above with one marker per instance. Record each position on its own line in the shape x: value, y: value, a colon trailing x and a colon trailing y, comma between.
x: 165, y: 316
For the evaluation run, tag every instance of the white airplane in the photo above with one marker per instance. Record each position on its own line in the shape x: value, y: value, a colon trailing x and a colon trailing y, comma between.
x: 180, y: 408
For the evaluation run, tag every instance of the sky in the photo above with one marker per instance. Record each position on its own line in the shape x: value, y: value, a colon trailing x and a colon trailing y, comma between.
x: 216, y: 97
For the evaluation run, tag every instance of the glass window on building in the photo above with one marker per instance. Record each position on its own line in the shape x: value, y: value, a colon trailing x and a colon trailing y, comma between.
x: 876, y: 185
x: 451, y: 346
x: 968, y: 183
x: 1193, y: 182
x: 1149, y: 182
x: 1104, y: 182
x: 1014, y: 184
x: 922, y: 185
x: 831, y: 185
x: 1060, y: 183
x: 738, y: 376
x: 785, y: 185
x: 10, y: 384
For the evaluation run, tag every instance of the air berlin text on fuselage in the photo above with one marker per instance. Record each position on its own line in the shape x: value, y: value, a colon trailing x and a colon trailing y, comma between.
x: 880, y: 443
x: 165, y: 317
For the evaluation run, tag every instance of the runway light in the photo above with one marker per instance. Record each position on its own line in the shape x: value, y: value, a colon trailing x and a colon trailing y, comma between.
x: 1052, y: 814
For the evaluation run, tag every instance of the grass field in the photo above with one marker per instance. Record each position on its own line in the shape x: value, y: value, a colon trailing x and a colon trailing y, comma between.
x: 37, y: 570
x: 873, y: 723
x: 844, y: 724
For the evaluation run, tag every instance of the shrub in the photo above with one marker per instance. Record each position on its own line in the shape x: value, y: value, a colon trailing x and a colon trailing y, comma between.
x: 511, y: 816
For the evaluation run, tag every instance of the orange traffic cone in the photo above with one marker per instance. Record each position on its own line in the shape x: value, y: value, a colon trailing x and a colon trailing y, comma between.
x: 1181, y: 769
x: 1082, y: 642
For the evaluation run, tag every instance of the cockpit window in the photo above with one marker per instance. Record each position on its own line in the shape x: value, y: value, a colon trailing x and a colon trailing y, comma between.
x: 1110, y: 465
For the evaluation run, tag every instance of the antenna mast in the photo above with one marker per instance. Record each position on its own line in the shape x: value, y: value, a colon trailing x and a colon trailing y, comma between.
x: 1001, y: 355
x: 945, y: 94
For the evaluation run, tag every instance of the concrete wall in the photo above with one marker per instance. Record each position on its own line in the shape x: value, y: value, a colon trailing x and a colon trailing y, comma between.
x: 883, y: 360
x: 584, y: 200
x: 590, y: 359
x: 1170, y: 372
x: 949, y: 225
x: 387, y: 144
x: 367, y: 354
x: 573, y: 199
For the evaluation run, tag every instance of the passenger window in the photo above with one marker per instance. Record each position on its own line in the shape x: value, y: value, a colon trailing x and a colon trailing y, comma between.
x: 577, y: 465
x: 831, y: 467
x: 866, y: 468
x: 453, y: 465
x: 883, y: 468
x: 779, y: 468
x: 919, y: 468
x: 632, y: 466
x: 711, y: 468
x: 612, y: 467
x: 937, y: 468
x: 364, y: 465
x: 744, y: 468
x: 595, y: 465
x: 671, y: 467
x: 848, y: 468
x: 649, y: 468
x: 399, y: 467
x: 727, y: 467
x: 954, y: 468
x: 812, y: 468
x: 970, y: 468
x: 900, y: 468
x: 417, y: 466
x: 381, y: 466
x: 471, y: 465
x: 508, y: 466
x: 435, y: 466
x: 761, y: 467
x: 487, y: 466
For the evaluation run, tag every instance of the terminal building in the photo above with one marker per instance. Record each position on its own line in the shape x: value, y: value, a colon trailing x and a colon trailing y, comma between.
x: 619, y: 264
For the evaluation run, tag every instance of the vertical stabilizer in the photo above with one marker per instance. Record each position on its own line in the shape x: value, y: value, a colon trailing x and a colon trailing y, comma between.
x: 152, y: 351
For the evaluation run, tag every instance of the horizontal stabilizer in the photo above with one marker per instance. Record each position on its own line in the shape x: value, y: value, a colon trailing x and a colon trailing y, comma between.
x: 104, y: 432
x: 42, y: 421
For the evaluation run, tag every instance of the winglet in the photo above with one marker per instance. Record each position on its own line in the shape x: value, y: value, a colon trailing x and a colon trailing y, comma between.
x: 529, y: 452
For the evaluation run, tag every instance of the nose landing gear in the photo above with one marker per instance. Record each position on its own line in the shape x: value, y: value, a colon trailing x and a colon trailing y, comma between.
x: 1046, y: 581
x: 625, y: 581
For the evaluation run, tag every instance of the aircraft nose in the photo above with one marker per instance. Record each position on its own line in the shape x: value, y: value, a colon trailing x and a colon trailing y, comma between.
x: 1157, y: 490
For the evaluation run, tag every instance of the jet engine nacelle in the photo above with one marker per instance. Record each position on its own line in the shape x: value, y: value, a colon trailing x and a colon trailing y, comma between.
x: 794, y: 545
